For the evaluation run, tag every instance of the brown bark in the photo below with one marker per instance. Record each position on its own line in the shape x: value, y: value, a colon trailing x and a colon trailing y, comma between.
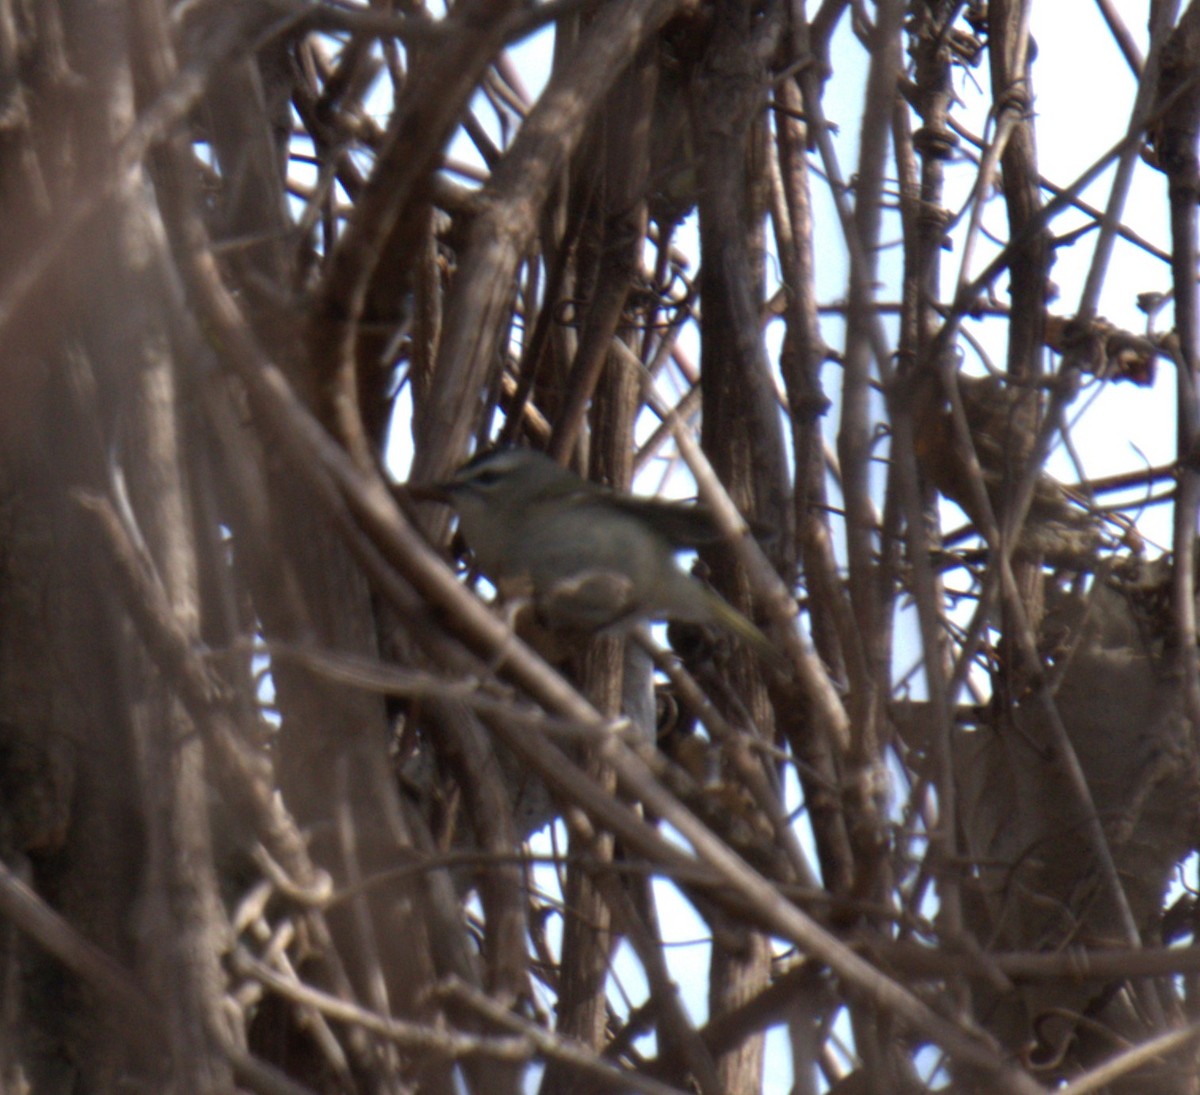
x: 286, y: 807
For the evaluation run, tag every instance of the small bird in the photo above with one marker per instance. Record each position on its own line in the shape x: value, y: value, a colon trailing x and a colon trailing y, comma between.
x: 590, y: 559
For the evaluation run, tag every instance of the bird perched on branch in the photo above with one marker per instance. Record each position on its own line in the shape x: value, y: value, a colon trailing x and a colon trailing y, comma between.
x: 1002, y: 420
x: 589, y: 559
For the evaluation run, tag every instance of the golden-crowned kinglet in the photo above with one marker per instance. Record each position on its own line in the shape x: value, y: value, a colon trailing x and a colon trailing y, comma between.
x: 589, y: 558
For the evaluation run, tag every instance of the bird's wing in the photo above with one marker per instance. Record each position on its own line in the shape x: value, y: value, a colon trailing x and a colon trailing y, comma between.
x: 591, y: 600
x: 682, y: 524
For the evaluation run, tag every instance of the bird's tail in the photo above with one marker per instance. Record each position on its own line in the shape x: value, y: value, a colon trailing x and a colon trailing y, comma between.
x: 728, y: 617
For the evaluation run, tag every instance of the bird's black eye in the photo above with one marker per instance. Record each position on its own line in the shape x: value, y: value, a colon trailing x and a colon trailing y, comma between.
x: 487, y: 477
